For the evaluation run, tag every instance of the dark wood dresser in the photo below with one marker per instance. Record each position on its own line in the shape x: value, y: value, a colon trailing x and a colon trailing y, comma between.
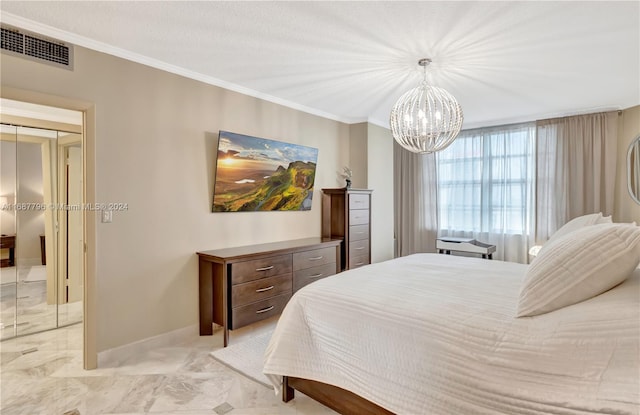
x: 243, y: 285
x: 346, y: 215
x: 8, y: 242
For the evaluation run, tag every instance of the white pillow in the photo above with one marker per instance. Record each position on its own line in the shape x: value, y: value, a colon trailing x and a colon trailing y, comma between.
x: 579, y: 266
x: 574, y: 224
x: 604, y: 219
x: 577, y: 223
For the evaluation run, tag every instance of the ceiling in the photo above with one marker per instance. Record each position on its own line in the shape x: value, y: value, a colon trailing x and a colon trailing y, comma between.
x: 350, y: 61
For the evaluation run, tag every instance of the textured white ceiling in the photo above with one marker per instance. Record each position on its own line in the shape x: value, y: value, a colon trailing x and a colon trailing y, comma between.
x: 504, y: 61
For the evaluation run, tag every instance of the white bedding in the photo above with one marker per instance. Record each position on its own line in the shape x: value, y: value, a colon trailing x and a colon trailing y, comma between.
x: 436, y: 334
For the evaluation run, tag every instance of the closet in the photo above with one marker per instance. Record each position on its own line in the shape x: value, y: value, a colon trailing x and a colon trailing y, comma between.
x: 41, y: 222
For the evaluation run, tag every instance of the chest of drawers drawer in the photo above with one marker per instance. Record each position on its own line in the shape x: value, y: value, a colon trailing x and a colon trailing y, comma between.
x: 260, y: 310
x: 260, y: 268
x: 358, y: 232
x: 358, y: 217
x: 307, y: 276
x: 358, y: 201
x: 250, y: 292
x: 307, y: 259
x: 358, y: 248
x: 358, y: 260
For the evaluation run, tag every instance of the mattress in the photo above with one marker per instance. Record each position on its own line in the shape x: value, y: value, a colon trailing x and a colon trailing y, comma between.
x: 437, y: 334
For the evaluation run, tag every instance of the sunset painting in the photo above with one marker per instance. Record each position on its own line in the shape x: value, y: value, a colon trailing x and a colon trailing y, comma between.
x: 256, y: 174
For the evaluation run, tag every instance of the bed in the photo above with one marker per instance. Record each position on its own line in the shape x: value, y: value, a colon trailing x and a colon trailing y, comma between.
x: 437, y: 334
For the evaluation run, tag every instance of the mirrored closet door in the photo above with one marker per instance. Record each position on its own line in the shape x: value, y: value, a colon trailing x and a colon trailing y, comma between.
x: 42, y: 230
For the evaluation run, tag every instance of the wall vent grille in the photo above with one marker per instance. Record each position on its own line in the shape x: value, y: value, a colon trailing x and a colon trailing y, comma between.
x: 35, y: 47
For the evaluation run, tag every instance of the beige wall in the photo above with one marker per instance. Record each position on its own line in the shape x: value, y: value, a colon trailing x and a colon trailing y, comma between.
x: 358, y: 159
x: 155, y: 144
x: 380, y: 178
x: 625, y: 208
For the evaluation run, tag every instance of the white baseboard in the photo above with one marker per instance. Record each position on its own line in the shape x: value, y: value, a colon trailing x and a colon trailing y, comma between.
x: 114, y: 357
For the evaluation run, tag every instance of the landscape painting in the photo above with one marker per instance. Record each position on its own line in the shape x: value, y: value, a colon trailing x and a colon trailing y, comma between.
x: 257, y: 174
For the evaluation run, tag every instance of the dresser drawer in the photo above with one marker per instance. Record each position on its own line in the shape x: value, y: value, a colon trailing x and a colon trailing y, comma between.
x: 309, y: 275
x: 241, y: 316
x: 307, y: 259
x: 358, y: 217
x: 357, y: 201
x: 358, y: 232
x: 260, y: 268
x: 358, y: 248
x: 261, y: 289
x: 358, y: 260
x: 8, y: 242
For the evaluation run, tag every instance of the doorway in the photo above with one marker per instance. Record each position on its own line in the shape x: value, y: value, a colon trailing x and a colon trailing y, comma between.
x: 41, y: 198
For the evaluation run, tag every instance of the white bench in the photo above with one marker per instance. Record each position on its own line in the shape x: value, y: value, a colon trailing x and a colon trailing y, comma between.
x: 446, y: 244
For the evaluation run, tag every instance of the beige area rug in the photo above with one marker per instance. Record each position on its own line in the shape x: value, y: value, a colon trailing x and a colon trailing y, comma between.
x: 246, y: 357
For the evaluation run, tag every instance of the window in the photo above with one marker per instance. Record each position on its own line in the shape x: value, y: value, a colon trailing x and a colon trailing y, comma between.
x: 486, y: 181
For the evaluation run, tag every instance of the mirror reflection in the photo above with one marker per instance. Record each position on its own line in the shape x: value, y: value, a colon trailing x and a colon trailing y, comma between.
x: 633, y: 169
x: 41, y: 255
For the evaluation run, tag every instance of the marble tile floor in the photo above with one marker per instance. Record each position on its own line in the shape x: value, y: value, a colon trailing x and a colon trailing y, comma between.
x: 24, y: 302
x: 41, y: 374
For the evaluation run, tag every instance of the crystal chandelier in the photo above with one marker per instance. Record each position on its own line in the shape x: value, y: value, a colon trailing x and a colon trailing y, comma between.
x: 426, y: 119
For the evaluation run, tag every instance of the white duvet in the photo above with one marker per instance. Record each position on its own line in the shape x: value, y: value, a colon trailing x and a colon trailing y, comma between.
x: 436, y: 334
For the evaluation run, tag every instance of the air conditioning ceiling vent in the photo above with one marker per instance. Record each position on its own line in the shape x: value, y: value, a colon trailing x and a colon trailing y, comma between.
x: 35, y: 47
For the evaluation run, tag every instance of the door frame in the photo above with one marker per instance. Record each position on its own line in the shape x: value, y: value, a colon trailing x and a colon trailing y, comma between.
x: 90, y: 219
x: 64, y: 143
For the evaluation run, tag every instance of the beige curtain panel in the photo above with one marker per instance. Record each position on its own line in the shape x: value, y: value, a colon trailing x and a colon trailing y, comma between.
x: 576, y: 169
x: 416, y: 211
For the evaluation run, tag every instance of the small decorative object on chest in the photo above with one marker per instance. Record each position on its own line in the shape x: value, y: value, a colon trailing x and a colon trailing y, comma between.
x: 446, y: 244
x: 346, y: 174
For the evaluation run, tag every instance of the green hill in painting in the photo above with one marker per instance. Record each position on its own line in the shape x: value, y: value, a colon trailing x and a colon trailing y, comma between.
x: 285, y: 189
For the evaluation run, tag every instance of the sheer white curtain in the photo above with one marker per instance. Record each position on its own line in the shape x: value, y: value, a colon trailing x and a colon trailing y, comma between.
x: 576, y: 169
x: 486, y: 189
x: 415, y: 209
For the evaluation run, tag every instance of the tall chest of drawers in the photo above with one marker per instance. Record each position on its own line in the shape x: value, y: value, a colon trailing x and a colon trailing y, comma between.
x: 346, y: 215
x: 243, y: 285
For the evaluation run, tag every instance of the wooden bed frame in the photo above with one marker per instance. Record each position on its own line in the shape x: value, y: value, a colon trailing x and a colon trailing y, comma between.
x: 338, y: 399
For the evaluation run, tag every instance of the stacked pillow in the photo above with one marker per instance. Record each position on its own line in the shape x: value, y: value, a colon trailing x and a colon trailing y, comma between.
x: 586, y: 257
x: 575, y: 224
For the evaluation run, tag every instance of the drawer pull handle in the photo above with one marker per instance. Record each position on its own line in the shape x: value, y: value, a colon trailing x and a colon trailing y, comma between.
x: 316, y: 276
x: 316, y: 258
x: 261, y: 290
x: 264, y: 310
x: 264, y: 268
x: 360, y: 248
